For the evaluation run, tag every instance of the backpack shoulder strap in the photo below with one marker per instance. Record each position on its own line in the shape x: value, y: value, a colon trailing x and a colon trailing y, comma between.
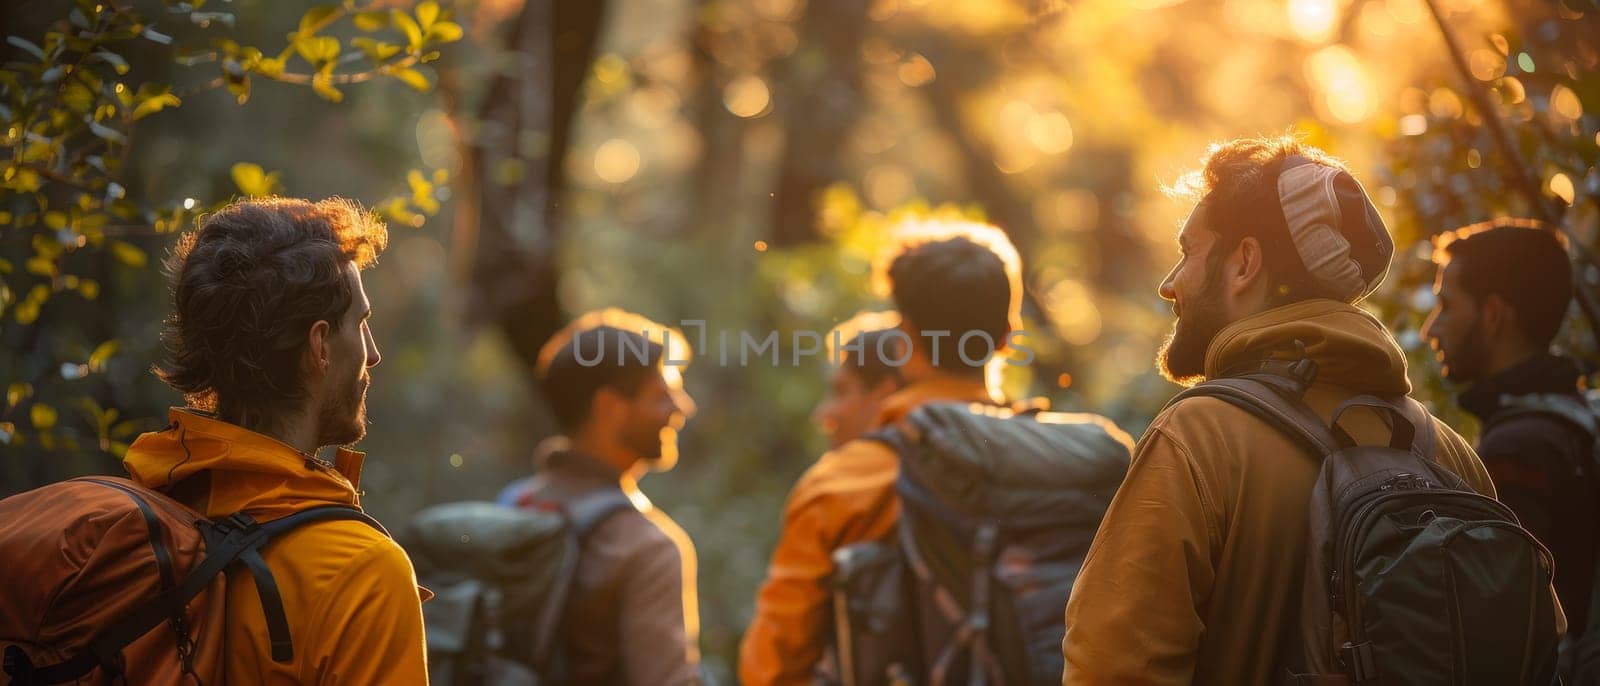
x: 1567, y: 408
x: 588, y: 511
x: 1263, y: 396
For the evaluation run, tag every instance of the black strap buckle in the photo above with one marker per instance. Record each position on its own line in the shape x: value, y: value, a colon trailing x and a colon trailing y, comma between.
x: 1359, y: 661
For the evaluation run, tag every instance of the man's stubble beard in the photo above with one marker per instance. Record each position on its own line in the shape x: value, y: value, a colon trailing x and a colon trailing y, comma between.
x: 1182, y: 357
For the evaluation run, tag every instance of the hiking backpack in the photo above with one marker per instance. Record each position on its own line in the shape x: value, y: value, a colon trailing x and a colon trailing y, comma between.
x: 997, y: 511
x: 1411, y: 577
x: 109, y: 580
x: 1583, y: 412
x: 501, y: 576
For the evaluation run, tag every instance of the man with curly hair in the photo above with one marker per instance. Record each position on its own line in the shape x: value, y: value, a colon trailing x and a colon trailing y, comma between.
x: 269, y: 344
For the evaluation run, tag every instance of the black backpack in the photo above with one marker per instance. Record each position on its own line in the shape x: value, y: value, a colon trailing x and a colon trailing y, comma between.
x: 1583, y: 412
x: 997, y: 511
x: 501, y: 576
x: 1411, y: 577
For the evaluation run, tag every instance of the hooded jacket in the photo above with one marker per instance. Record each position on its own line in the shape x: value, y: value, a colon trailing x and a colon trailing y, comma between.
x: 846, y: 497
x: 349, y: 592
x: 1195, y: 574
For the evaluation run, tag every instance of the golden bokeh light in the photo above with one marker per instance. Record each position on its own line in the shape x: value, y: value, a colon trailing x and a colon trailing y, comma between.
x: 916, y: 71
x: 1346, y: 94
x: 616, y: 161
x: 1050, y: 132
x: 1486, y: 64
x: 1073, y: 312
x: 1565, y: 103
x: 747, y: 96
x: 1561, y: 186
x: 1313, y: 20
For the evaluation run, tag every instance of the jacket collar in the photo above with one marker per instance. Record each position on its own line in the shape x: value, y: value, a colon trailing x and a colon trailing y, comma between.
x: 936, y: 387
x: 1352, y: 349
x: 239, y: 470
x: 1542, y: 373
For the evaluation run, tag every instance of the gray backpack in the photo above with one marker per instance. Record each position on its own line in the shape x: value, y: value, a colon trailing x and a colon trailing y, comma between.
x: 501, y: 576
x: 1411, y: 577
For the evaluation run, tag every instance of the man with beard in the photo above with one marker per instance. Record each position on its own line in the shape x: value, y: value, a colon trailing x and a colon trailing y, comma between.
x: 1503, y: 289
x: 613, y: 380
x: 1195, y: 574
x: 269, y: 344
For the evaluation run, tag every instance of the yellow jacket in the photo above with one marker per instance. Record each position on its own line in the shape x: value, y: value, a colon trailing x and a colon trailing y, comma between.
x: 349, y: 592
x: 1195, y: 574
x: 846, y: 497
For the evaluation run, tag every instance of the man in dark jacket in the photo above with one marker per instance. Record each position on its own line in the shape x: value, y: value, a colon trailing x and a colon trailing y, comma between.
x: 1503, y: 289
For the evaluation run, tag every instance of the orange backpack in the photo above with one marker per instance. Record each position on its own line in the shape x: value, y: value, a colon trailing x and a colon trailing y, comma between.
x: 108, y: 579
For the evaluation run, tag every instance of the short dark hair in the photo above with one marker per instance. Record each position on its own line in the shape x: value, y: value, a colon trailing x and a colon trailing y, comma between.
x: 247, y: 284
x: 607, y: 348
x: 869, y: 347
x: 1524, y: 261
x: 956, y: 277
x: 1238, y: 183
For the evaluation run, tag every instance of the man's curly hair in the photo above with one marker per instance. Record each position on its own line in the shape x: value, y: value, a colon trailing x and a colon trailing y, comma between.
x: 247, y: 284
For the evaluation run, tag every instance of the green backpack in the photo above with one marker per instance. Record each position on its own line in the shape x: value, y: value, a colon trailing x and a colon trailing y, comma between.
x: 1411, y: 576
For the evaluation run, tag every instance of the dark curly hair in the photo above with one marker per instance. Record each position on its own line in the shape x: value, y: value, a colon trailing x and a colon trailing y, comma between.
x: 247, y: 284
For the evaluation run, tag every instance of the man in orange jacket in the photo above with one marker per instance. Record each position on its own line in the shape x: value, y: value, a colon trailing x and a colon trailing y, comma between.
x: 859, y: 379
x: 270, y: 346
x: 957, y: 287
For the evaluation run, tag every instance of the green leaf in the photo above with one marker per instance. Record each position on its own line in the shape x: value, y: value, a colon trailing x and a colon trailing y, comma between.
x: 369, y: 21
x: 102, y: 353
x: 323, y: 85
x: 41, y: 266
x: 377, y: 51
x: 128, y: 254
x: 43, y: 416
x: 409, y: 27
x: 445, y: 32
x: 154, y: 104
x: 116, y: 61
x: 89, y: 289
x: 27, y: 46
x: 106, y: 132
x: 427, y: 13
x: 17, y: 392
x: 317, y: 50
x: 154, y: 36
x: 252, y: 180
x: 126, y: 427
x: 412, y: 78
x: 315, y: 18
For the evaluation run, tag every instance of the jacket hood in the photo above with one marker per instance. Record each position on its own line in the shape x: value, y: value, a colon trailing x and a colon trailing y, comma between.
x: 1352, y: 349
x: 243, y: 471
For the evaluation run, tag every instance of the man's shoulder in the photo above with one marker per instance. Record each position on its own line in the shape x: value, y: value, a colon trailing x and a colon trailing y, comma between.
x: 861, y: 464
x: 643, y: 534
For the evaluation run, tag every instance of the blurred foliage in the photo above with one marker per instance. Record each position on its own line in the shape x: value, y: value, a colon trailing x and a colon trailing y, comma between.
x: 1447, y: 169
x: 71, y: 105
x: 1059, y: 121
